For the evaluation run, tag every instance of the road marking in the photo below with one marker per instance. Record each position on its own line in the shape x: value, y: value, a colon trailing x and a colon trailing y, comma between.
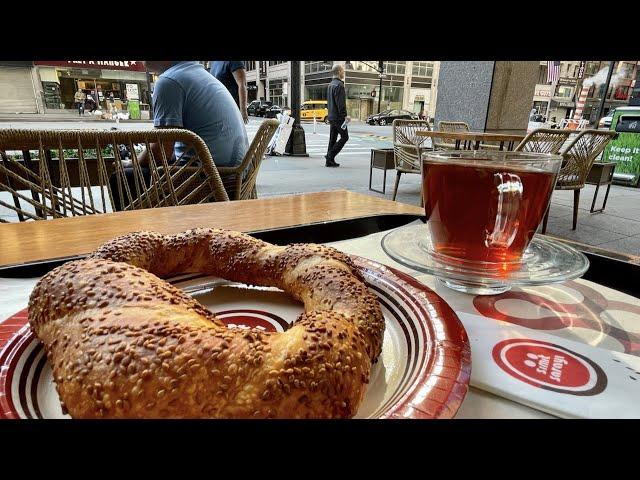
x: 345, y: 149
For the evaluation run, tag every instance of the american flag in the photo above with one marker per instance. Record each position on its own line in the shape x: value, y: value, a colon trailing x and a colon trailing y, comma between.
x: 553, y: 71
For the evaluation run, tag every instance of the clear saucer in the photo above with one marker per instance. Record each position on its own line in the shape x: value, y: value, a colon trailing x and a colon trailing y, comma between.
x: 545, y: 261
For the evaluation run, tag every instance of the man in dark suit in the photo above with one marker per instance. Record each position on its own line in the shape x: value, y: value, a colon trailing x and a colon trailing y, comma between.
x: 337, y: 106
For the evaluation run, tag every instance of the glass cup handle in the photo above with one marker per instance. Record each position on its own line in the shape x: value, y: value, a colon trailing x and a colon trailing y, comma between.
x: 506, y: 225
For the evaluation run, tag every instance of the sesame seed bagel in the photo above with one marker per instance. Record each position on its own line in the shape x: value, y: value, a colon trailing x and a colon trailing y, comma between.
x: 123, y: 343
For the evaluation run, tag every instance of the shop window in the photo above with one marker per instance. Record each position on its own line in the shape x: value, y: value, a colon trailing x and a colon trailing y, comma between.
x: 394, y: 67
x: 361, y: 66
x: 627, y: 70
x: 318, y: 66
x: 540, y: 107
x: 422, y: 69
x: 316, y: 92
x: 621, y: 93
x: 564, y: 92
x: 276, y: 94
x: 358, y: 91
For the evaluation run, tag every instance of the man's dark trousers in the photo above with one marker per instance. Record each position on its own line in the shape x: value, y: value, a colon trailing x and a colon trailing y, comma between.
x: 336, y: 146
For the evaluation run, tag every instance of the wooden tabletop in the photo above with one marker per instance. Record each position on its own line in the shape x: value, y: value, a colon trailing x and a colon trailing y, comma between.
x: 47, y: 239
x: 473, y: 136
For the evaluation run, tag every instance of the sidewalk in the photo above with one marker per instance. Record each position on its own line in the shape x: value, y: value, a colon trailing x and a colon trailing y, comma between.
x: 52, y: 117
x: 617, y: 228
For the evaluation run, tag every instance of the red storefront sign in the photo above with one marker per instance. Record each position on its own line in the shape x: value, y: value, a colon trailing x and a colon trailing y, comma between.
x: 129, y: 65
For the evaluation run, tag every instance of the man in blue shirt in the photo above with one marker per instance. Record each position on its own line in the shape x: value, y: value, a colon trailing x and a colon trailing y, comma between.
x: 187, y: 96
x: 233, y: 76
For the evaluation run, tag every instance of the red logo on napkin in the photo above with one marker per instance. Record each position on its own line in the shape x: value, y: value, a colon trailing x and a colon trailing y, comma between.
x: 549, y: 366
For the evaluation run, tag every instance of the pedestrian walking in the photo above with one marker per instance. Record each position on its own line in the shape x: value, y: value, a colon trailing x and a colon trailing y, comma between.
x: 234, y: 77
x: 79, y: 98
x: 91, y: 103
x: 338, y: 118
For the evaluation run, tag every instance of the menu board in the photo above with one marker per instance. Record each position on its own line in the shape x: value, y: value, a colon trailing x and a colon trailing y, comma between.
x: 132, y: 91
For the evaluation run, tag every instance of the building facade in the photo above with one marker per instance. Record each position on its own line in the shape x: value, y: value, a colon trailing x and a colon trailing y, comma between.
x: 268, y: 80
x: 18, y: 88
x: 620, y: 87
x: 558, y: 100
x: 406, y: 85
x: 43, y: 87
x: 47, y: 87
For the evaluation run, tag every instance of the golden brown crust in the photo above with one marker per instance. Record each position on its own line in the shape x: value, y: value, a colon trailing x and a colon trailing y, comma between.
x: 125, y: 344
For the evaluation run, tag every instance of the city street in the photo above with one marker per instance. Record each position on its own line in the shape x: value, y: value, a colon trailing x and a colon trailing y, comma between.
x: 356, y: 128
x: 618, y: 228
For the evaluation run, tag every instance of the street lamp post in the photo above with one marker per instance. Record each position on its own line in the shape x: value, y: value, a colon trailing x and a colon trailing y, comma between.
x: 296, y: 145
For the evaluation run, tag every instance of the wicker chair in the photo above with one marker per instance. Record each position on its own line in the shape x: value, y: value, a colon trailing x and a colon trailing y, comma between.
x: 64, y: 173
x: 408, y: 148
x: 578, y: 160
x: 243, y: 186
x: 444, y: 126
x: 544, y: 140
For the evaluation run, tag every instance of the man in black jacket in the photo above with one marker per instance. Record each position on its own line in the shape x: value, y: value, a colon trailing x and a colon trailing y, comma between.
x: 337, y: 106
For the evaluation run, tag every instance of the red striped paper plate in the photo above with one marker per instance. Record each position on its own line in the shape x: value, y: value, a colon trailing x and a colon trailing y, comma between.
x: 423, y: 371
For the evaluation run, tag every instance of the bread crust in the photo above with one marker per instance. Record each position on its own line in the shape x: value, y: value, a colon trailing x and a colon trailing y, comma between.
x: 123, y: 343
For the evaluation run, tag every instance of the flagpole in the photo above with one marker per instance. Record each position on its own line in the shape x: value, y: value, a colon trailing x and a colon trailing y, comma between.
x: 554, y: 85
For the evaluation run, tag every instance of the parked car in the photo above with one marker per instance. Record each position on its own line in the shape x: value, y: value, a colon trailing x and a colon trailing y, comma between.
x: 536, y: 121
x: 257, y: 107
x: 388, y: 116
x: 314, y: 109
x: 273, y: 111
x: 605, y: 122
x: 252, y: 107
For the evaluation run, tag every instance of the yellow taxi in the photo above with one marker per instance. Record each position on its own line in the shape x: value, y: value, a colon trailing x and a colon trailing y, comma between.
x: 314, y: 109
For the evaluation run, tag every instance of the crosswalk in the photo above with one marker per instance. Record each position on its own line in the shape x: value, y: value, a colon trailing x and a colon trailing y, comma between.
x: 317, y: 143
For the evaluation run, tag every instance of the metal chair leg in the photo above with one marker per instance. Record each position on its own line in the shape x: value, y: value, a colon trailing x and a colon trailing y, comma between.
x: 595, y: 195
x: 606, y: 196
x: 384, y: 182
x: 546, y: 218
x: 370, y: 169
x: 395, y: 189
x: 576, y: 202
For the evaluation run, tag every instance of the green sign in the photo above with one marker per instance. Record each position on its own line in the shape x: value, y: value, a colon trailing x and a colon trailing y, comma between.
x: 134, y: 109
x: 624, y: 150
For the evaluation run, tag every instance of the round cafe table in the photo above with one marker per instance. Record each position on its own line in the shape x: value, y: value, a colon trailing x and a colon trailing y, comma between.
x: 565, y: 350
x: 521, y: 339
x: 475, y: 140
